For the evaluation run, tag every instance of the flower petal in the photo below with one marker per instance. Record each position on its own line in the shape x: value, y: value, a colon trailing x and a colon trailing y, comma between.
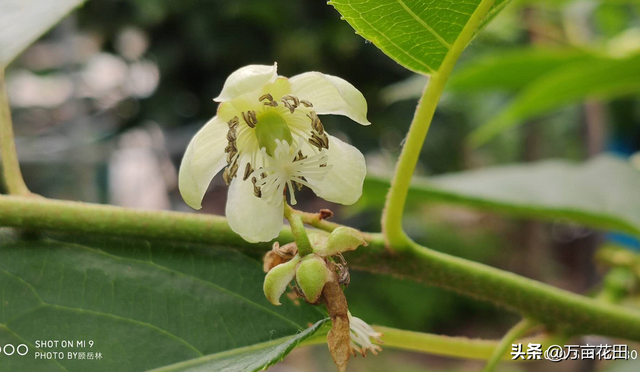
x: 203, y: 158
x: 331, y: 95
x: 343, y: 182
x: 245, y: 80
x: 249, y: 216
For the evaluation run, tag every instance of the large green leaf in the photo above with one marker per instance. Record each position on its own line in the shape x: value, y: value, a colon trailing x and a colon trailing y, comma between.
x: 416, y: 34
x: 254, y: 358
x: 602, y: 193
x: 513, y: 69
x: 592, y: 78
x: 24, y: 21
x: 506, y: 70
x: 145, y: 304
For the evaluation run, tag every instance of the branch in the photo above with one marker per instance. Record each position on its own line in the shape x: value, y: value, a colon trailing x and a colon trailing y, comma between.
x: 8, y: 156
x: 397, y: 196
x: 569, y: 312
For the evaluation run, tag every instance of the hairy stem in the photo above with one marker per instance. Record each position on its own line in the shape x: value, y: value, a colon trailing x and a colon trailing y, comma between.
x: 10, y: 168
x: 298, y: 231
x: 397, y: 196
x: 514, y: 333
x: 558, y: 309
x: 74, y: 217
x: 554, y: 307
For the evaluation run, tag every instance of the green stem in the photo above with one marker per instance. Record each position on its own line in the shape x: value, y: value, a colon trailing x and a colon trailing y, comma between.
x: 455, y: 347
x: 10, y: 167
x: 74, y: 217
x: 552, y: 306
x: 316, y: 220
x: 298, y: 231
x: 397, y: 196
x: 514, y: 333
x: 558, y: 309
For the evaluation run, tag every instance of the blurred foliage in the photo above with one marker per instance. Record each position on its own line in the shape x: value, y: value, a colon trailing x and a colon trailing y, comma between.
x: 195, y: 44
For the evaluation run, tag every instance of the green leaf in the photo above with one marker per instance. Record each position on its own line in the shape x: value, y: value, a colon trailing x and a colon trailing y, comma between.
x: 512, y: 69
x: 416, y: 34
x: 254, y: 358
x: 507, y: 70
x: 145, y: 304
x: 601, y: 193
x: 600, y: 79
x: 24, y: 21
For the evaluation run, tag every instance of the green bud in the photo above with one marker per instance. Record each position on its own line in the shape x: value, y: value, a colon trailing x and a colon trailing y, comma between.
x: 271, y: 126
x: 312, y: 274
x: 342, y: 239
x: 278, y: 278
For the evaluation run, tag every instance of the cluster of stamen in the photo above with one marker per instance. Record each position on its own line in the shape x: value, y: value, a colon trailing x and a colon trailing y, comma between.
x: 271, y: 180
x: 232, y: 151
x: 318, y: 137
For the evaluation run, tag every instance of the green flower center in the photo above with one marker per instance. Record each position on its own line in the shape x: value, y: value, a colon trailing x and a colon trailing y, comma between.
x: 270, y: 127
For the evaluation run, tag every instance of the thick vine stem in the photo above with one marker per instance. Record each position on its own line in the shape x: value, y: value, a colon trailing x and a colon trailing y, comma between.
x: 10, y: 168
x: 554, y: 307
x: 298, y: 231
x: 396, y: 198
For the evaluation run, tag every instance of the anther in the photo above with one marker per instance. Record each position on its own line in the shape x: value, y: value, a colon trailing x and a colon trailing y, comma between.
x: 233, y: 122
x: 266, y: 96
x: 291, y: 102
x: 247, y: 171
x: 306, y: 103
x: 250, y: 118
x: 234, y: 170
x: 300, y: 156
x: 269, y: 100
x: 256, y: 190
x: 320, y: 140
x: 231, y: 135
x: 314, y: 142
x: 230, y: 156
x: 291, y: 97
x: 225, y: 176
x: 316, y: 124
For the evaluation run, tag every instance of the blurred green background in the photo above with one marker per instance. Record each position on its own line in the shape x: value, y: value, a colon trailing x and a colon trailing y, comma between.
x: 105, y: 104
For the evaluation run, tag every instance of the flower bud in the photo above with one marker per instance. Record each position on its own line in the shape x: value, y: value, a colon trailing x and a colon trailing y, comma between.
x: 311, y: 276
x: 342, y: 239
x: 277, y: 279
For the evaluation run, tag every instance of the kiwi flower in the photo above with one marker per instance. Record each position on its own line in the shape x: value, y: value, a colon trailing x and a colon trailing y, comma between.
x: 269, y: 140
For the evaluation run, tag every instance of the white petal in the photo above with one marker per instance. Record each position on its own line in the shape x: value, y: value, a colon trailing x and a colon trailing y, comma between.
x: 249, y: 216
x: 343, y: 182
x: 331, y: 95
x: 245, y: 80
x: 203, y: 159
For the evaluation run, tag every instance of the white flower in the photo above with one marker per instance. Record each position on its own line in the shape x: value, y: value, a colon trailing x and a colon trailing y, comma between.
x: 361, y: 334
x: 268, y: 138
